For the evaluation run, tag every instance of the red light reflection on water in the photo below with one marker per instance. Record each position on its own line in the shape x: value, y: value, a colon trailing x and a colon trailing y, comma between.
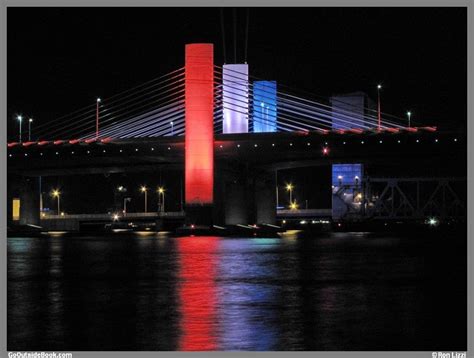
x: 197, y: 293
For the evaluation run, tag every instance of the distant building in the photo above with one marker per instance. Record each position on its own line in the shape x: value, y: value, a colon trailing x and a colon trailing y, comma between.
x: 351, y: 110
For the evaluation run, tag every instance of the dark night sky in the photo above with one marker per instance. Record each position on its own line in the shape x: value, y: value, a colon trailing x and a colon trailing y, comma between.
x: 60, y: 59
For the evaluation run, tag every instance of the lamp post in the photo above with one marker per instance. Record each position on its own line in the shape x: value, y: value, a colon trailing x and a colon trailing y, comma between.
x: 289, y: 188
x: 379, y: 117
x: 125, y: 201
x: 97, y: 120
x: 172, y: 127
x: 294, y: 206
x: 57, y: 194
x: 161, y: 191
x: 144, y: 190
x: 29, y: 129
x: 19, y: 118
x: 409, y: 119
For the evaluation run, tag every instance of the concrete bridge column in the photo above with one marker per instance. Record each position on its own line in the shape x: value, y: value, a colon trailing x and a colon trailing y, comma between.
x: 29, y: 201
x: 265, y: 198
x: 235, y: 203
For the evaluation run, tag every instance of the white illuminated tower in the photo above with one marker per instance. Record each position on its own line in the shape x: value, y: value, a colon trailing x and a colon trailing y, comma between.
x: 235, y: 107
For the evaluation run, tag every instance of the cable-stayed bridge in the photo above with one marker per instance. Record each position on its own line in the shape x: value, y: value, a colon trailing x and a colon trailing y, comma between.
x: 231, y: 133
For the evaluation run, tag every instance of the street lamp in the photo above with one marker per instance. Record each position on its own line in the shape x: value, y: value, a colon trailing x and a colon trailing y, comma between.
x: 144, y: 190
x: 19, y: 118
x: 29, y: 129
x: 172, y: 128
x: 339, y: 179
x: 125, y: 201
x: 161, y: 191
x: 57, y: 194
x: 289, y: 188
x: 294, y: 206
x: 379, y: 117
x: 97, y: 120
x: 409, y: 119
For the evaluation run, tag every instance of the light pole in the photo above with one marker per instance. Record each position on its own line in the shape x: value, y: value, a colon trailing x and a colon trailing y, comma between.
x: 172, y: 127
x: 57, y: 194
x: 289, y: 187
x: 379, y: 117
x: 144, y: 190
x: 294, y: 206
x: 97, y: 120
x: 125, y: 200
x: 161, y: 191
x: 29, y: 129
x: 409, y: 119
x: 19, y: 118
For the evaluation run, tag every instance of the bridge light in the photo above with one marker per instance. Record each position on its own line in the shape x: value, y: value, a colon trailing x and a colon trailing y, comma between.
x: 294, y: 205
x: 343, y: 142
x: 255, y: 145
x: 433, y: 222
x: 289, y: 187
x: 115, y: 217
x: 380, y: 142
x: 143, y: 189
x: 238, y: 145
x: 161, y: 190
x: 98, y: 99
x: 455, y: 139
x: 273, y: 144
x: 88, y: 152
x: 361, y: 142
x: 104, y: 150
x: 291, y: 144
x: 398, y: 141
x: 379, y: 86
x: 19, y: 118
x: 283, y: 221
x: 308, y: 143
x: 418, y: 141
x: 436, y: 140
x: 57, y: 153
x: 72, y: 152
x: 169, y: 148
x: 152, y: 149
x: 120, y: 150
x: 325, y: 151
x: 220, y: 146
x: 41, y: 153
x: 10, y: 155
x: 26, y: 154
x: 136, y: 149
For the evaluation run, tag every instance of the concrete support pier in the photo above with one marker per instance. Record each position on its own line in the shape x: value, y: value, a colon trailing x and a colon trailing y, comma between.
x: 29, y: 201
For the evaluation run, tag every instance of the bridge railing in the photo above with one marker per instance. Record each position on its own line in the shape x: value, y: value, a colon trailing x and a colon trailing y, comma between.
x: 121, y: 216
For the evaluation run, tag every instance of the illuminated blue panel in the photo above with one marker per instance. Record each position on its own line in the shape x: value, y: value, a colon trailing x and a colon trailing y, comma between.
x: 264, y: 106
x: 346, y: 174
x: 235, y: 107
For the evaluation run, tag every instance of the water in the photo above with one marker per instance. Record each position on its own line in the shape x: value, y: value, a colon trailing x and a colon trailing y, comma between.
x: 344, y: 291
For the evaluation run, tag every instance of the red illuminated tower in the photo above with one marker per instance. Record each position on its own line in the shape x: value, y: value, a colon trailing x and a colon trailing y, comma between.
x: 199, y: 131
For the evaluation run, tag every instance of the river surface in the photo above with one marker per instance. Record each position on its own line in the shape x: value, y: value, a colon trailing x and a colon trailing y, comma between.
x: 339, y: 291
